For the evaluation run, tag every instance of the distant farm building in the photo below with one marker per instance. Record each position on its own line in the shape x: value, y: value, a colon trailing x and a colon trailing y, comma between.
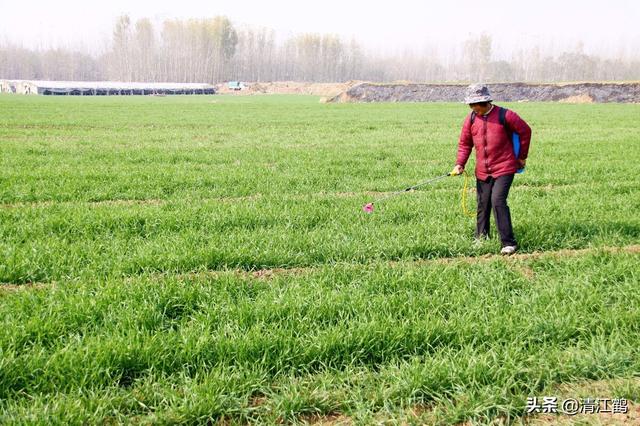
x: 7, y: 86
x: 236, y: 85
x: 102, y: 88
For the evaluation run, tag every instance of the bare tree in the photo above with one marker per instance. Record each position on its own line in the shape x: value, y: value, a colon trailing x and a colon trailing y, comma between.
x: 213, y: 50
x: 121, y: 51
x: 144, y: 52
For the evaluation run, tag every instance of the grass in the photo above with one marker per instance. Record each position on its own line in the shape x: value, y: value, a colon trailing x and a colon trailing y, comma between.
x: 135, y: 234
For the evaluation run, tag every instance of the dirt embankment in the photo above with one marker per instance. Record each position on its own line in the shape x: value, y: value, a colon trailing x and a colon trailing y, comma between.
x: 328, y: 90
x: 506, y: 92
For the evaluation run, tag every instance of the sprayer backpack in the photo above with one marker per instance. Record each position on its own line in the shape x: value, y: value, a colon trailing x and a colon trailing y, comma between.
x: 515, y: 137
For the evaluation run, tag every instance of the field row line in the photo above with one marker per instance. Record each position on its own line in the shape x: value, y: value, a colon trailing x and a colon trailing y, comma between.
x: 159, y: 201
x: 513, y: 259
x: 267, y: 273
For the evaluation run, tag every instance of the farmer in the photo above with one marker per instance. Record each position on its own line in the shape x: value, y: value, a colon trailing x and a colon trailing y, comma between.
x: 489, y: 128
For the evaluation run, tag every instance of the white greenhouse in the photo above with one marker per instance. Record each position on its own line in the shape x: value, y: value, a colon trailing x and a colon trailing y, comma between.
x: 98, y: 88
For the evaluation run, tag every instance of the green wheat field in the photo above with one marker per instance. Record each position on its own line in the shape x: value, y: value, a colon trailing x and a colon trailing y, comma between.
x: 206, y: 259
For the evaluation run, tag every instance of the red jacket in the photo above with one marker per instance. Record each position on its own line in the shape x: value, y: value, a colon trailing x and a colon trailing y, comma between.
x: 494, y: 149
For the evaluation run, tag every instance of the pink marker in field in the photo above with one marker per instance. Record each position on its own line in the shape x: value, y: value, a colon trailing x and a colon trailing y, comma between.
x: 368, y: 208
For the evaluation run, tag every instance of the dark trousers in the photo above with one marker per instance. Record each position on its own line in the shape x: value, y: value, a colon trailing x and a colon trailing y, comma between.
x: 493, y: 193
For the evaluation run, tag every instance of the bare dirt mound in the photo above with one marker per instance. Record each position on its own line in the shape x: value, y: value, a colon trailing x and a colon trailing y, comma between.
x: 506, y: 92
x: 328, y: 90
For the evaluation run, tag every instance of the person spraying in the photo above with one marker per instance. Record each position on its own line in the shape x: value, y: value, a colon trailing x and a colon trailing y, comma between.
x: 501, y: 140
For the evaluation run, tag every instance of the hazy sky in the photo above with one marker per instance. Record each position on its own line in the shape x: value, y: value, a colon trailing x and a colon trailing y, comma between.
x: 604, y: 26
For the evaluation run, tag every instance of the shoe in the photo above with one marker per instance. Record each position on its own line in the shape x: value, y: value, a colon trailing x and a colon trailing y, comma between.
x: 507, y: 250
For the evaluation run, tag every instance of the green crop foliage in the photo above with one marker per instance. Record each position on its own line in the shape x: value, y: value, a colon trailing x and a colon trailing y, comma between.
x: 138, y: 235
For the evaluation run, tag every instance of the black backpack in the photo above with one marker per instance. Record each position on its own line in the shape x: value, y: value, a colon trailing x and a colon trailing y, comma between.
x: 502, y: 115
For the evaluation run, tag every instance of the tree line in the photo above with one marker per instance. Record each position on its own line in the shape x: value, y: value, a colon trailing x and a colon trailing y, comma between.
x: 214, y: 50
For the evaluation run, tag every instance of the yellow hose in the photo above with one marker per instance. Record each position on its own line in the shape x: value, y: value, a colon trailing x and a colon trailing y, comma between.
x: 465, y: 210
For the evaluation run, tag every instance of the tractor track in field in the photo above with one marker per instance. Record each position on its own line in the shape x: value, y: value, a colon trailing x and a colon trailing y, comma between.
x: 514, y: 260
